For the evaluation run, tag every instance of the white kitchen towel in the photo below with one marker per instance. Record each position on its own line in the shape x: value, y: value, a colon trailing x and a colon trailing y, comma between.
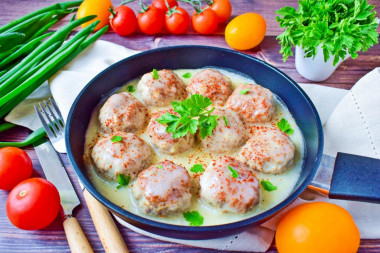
x: 351, y: 120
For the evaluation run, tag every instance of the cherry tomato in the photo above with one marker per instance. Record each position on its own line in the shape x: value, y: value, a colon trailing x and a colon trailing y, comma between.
x: 33, y: 204
x: 151, y: 21
x: 222, y: 8
x: 178, y: 22
x: 123, y: 21
x: 15, y: 166
x: 205, y: 22
x: 161, y: 5
x: 95, y: 7
x: 317, y: 227
x: 245, y: 31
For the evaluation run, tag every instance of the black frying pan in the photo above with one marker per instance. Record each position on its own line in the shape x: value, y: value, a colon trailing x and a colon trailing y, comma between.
x: 182, y: 57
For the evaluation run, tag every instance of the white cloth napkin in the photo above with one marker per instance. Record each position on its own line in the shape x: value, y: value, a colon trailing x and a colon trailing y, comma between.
x: 351, y: 123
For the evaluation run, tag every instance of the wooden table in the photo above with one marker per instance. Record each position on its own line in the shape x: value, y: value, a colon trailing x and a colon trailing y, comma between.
x: 52, y: 239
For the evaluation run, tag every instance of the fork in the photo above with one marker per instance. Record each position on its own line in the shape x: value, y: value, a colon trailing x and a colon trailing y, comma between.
x: 55, y: 125
x: 108, y: 232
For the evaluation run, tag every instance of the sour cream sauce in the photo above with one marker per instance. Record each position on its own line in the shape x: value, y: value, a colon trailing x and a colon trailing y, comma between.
x: 212, y: 216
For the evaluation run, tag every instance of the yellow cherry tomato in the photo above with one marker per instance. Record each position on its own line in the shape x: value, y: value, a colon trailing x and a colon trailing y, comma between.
x: 95, y: 7
x: 317, y: 227
x: 245, y: 31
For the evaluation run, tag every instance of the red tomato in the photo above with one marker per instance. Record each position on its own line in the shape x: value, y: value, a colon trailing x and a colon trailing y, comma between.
x: 161, y: 5
x: 151, y: 21
x: 33, y: 204
x: 222, y: 9
x: 178, y: 22
x: 205, y: 22
x: 124, y: 21
x: 15, y: 166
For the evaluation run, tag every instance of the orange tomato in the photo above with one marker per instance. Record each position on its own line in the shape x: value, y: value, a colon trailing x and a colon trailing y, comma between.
x: 317, y: 227
x: 95, y: 7
x: 245, y: 31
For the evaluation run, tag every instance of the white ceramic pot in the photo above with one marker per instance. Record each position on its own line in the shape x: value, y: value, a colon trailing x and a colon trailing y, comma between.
x: 316, y: 70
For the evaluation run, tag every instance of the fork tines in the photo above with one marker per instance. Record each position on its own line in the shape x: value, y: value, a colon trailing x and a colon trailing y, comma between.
x: 54, y: 126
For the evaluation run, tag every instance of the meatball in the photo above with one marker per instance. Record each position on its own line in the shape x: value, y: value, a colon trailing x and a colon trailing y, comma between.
x: 161, y: 91
x: 212, y: 84
x: 163, y: 189
x: 122, y: 112
x: 229, y: 134
x: 269, y: 150
x: 252, y: 102
x: 128, y: 156
x: 164, y: 141
x: 221, y: 189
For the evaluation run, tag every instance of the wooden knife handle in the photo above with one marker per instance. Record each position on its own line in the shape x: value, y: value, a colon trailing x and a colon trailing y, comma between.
x: 75, y: 236
x: 105, y: 226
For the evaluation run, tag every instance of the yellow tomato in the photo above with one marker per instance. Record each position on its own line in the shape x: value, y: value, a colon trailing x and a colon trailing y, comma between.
x: 317, y: 227
x: 95, y: 7
x: 245, y: 31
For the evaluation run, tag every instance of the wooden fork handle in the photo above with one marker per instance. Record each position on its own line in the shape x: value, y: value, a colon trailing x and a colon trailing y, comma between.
x: 107, y: 230
x: 75, y: 236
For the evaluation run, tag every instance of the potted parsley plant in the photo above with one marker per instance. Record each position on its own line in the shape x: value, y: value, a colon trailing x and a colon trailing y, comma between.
x: 325, y: 33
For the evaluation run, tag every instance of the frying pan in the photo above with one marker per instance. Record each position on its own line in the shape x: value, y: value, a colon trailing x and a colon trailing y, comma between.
x: 192, y: 57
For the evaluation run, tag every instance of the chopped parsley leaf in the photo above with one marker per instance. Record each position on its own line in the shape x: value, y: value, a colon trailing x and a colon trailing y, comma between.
x: 116, y: 138
x: 130, y: 88
x: 194, y: 218
x: 243, y: 92
x: 186, y: 75
x: 197, y: 168
x: 122, y: 180
x: 155, y: 74
x: 234, y: 173
x: 225, y: 120
x: 268, y: 186
x: 159, y: 166
x: 284, y: 126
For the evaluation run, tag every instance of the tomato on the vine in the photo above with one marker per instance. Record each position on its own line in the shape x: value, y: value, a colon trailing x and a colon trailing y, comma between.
x: 222, y: 8
x: 205, y: 22
x: 177, y: 20
x: 33, y: 204
x: 151, y: 20
x: 95, y: 7
x: 15, y: 166
x: 161, y: 4
x: 123, y: 20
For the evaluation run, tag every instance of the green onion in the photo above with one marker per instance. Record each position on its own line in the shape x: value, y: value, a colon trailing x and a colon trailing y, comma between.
x: 6, y: 126
x: 32, y: 138
x: 56, y: 6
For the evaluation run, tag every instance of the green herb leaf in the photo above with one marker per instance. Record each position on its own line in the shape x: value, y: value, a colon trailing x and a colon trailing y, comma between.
x: 159, y: 166
x: 234, y: 173
x: 268, y: 186
x: 243, y: 92
x: 284, y: 126
x: 194, y: 116
x: 339, y: 27
x: 225, y: 120
x: 155, y: 74
x: 122, y: 180
x: 194, y: 218
x: 116, y: 138
x: 197, y: 168
x: 130, y: 88
x: 186, y: 75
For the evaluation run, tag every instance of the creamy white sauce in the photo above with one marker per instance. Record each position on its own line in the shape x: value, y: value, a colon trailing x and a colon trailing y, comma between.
x: 212, y: 215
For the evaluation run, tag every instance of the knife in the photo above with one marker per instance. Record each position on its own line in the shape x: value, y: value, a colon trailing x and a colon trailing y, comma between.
x: 55, y: 173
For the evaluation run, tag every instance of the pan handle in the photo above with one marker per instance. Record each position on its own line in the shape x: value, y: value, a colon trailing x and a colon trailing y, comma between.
x: 356, y: 178
x: 349, y: 177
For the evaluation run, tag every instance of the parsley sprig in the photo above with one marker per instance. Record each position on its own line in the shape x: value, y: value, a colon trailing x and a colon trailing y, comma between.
x: 339, y: 26
x: 194, y: 115
x: 234, y: 172
x: 268, y: 186
x: 197, y: 168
